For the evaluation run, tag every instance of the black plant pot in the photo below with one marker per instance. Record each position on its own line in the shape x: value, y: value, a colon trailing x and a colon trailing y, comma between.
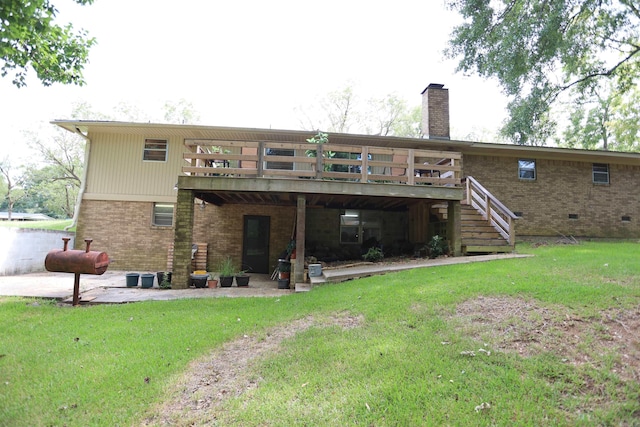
x: 283, y: 283
x: 226, y: 281
x: 160, y: 275
x: 242, y: 281
x: 199, y: 280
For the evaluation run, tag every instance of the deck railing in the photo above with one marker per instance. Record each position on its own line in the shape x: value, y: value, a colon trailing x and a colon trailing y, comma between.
x: 496, y: 214
x: 322, y: 161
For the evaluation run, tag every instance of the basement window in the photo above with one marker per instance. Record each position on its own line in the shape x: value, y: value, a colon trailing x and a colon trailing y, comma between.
x: 527, y: 169
x: 600, y: 172
x: 155, y: 150
x: 573, y: 216
x: 162, y: 214
x: 626, y: 218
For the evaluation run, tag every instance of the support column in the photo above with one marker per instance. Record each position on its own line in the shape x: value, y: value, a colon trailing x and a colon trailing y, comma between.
x: 300, y: 236
x: 183, y: 239
x: 454, y: 226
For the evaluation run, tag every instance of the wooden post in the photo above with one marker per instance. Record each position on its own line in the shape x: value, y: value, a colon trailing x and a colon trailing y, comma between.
x: 488, y: 207
x: 260, y: 159
x: 319, y: 162
x: 365, y: 165
x: 512, y: 232
x: 183, y: 239
x: 454, y: 227
x: 300, y: 236
x: 411, y: 173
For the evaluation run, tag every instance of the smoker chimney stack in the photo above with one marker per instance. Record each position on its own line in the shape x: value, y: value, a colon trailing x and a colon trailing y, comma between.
x: 435, y: 112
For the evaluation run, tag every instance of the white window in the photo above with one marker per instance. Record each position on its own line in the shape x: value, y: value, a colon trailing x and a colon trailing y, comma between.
x: 162, y: 214
x: 600, y: 173
x: 155, y: 150
x: 527, y: 169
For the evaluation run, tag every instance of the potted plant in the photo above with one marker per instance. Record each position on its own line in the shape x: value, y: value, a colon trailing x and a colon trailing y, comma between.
x: 226, y: 271
x: 212, y: 282
x: 242, y: 279
x: 164, y: 279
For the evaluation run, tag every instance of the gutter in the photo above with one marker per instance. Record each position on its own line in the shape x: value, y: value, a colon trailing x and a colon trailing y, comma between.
x: 83, y: 182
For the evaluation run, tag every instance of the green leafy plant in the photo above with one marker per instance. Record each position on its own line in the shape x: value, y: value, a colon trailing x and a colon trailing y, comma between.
x: 437, y: 246
x: 227, y: 268
x: 374, y: 254
x: 320, y: 138
x: 165, y: 283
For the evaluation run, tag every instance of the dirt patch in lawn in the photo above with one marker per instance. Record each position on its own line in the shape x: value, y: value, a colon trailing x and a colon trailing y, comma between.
x: 523, y: 326
x: 208, y: 382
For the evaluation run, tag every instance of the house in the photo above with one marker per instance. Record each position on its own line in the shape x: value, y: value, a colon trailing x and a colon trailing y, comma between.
x: 249, y: 193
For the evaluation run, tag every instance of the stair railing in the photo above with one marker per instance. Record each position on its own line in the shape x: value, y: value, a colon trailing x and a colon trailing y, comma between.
x: 491, y: 209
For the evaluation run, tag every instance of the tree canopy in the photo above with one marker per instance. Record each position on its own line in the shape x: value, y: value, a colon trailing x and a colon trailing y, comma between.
x: 29, y: 36
x: 343, y: 111
x: 540, y: 50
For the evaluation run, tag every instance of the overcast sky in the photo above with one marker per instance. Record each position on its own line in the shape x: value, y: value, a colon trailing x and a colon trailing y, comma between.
x: 251, y: 63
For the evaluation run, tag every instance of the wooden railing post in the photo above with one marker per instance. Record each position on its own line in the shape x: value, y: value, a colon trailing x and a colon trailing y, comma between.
x: 488, y: 208
x: 512, y: 232
x: 319, y: 162
x: 364, y: 169
x: 411, y: 161
x: 260, y: 159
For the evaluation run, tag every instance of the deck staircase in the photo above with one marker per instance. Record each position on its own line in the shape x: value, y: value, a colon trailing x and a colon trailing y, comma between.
x: 478, y: 236
x: 487, y: 226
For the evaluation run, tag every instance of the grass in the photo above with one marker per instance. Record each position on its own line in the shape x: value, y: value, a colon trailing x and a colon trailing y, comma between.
x: 111, y: 365
x: 58, y: 224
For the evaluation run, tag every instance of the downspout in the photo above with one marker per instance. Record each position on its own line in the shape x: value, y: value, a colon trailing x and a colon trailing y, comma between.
x: 83, y: 182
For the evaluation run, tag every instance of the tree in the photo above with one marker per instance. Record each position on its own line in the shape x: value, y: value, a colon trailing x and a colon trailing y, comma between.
x: 607, y: 121
x: 52, y: 184
x: 540, y: 50
x: 181, y: 112
x: 391, y: 116
x: 29, y: 37
x: 12, y: 190
x: 342, y: 111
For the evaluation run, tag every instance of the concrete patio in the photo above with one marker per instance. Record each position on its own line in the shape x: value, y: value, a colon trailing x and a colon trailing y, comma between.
x: 110, y: 288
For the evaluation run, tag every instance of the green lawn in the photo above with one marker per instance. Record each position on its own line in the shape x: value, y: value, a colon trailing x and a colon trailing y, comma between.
x: 58, y: 224
x: 547, y: 340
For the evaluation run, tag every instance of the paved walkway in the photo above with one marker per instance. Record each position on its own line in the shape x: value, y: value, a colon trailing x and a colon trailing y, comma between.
x: 110, y: 288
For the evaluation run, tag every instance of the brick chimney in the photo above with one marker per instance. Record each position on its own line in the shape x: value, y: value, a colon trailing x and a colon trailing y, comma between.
x: 435, y: 112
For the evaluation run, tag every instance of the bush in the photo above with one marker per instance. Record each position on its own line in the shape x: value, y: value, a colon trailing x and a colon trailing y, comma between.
x: 373, y: 255
x: 437, y: 246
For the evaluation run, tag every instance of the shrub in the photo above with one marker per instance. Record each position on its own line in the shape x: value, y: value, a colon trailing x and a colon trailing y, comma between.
x: 373, y: 255
x: 437, y: 246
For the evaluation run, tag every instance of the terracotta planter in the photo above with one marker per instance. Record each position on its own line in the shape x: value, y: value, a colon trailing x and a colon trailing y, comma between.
x: 212, y: 283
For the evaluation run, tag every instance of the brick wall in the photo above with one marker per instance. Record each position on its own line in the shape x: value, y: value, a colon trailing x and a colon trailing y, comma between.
x: 222, y: 228
x: 562, y: 188
x: 123, y: 230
